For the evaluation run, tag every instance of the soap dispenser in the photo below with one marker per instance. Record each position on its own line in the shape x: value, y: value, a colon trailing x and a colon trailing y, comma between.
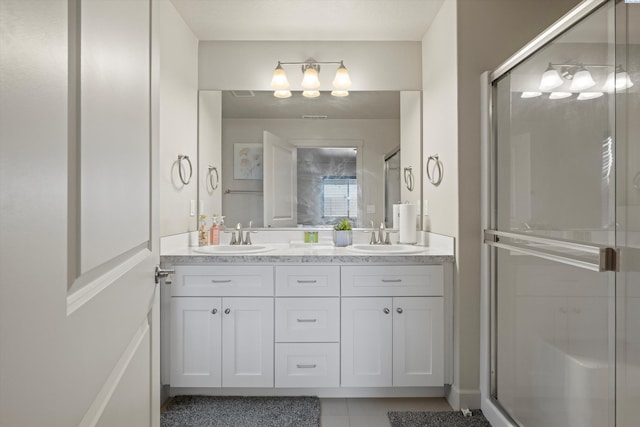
x: 202, y: 231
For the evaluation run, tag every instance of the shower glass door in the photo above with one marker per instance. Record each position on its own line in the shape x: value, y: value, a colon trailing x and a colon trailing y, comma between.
x: 554, y: 230
x: 628, y: 218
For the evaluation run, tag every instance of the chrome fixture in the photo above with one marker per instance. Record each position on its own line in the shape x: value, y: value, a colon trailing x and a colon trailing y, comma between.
x: 237, y: 237
x: 181, y: 172
x: 310, y: 80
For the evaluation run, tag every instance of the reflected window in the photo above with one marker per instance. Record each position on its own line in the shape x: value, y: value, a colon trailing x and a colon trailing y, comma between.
x: 340, y: 197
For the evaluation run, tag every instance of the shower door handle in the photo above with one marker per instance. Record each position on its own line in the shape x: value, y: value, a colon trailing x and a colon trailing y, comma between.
x: 576, y: 254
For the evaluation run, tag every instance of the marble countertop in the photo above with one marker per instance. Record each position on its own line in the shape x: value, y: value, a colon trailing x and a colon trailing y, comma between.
x: 283, y: 253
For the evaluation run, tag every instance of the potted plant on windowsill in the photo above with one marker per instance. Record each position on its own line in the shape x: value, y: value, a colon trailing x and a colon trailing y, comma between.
x: 342, y: 233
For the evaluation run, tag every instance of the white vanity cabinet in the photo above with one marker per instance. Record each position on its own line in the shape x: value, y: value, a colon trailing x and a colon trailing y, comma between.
x: 393, y: 340
x: 307, y: 326
x: 222, y: 341
x: 326, y: 329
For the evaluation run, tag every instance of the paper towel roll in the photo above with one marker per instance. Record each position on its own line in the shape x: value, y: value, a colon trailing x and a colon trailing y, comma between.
x: 396, y: 216
x: 407, y: 213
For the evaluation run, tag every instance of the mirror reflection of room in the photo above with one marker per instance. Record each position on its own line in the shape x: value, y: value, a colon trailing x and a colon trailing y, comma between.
x: 341, y: 148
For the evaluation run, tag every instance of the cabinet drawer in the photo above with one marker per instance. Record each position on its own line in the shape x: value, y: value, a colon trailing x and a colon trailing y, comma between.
x: 410, y: 280
x: 307, y: 365
x: 303, y: 281
x: 307, y: 319
x: 222, y: 281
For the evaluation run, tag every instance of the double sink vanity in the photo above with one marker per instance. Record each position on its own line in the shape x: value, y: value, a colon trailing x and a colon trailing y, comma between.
x: 281, y: 317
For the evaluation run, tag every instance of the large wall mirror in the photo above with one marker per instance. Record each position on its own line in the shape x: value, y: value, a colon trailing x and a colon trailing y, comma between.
x: 298, y: 161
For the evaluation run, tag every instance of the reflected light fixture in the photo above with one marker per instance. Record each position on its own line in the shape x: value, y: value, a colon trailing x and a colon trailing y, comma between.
x: 530, y: 94
x: 583, y: 96
x: 619, y: 79
x: 310, y: 79
x: 582, y: 80
x: 550, y: 79
x: 559, y: 95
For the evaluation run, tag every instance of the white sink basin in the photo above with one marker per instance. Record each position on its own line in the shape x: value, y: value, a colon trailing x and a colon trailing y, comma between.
x: 385, y: 249
x: 233, y: 249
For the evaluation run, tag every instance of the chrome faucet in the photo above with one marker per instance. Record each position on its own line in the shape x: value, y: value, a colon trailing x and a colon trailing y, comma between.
x: 381, y: 240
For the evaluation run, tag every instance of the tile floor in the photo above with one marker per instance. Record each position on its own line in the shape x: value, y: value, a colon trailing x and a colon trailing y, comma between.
x: 365, y: 412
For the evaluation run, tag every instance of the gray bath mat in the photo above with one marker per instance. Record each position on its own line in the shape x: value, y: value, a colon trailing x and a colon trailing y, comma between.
x: 212, y: 411
x: 437, y: 419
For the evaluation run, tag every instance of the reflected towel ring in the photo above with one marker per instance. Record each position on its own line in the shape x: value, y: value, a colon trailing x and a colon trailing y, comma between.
x: 636, y: 181
x: 433, y: 179
x: 211, y: 182
x: 184, y: 180
x: 408, y: 177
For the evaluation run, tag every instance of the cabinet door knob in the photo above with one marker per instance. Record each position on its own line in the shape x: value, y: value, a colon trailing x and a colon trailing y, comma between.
x: 227, y: 311
x: 399, y: 310
x: 214, y: 311
x: 386, y: 310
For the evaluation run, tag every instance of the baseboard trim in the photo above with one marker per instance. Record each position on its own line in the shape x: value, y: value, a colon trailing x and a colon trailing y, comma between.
x: 465, y: 398
x: 320, y: 392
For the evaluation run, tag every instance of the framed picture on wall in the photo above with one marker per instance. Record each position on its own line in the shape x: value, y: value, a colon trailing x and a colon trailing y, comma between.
x: 247, y: 161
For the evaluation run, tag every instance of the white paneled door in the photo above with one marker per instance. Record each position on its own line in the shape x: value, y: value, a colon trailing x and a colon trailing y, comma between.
x: 78, y: 227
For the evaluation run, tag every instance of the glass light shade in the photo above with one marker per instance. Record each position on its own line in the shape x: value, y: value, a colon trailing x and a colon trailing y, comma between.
x: 550, y: 79
x: 583, y: 96
x: 559, y: 95
x: 620, y: 80
x: 342, y: 81
x: 582, y: 80
x: 530, y: 94
x: 311, y: 93
x: 340, y: 93
x: 279, y: 80
x: 282, y: 93
x: 310, y: 79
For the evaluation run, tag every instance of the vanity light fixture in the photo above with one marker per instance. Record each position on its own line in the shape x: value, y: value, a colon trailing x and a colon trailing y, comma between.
x: 619, y: 79
x: 310, y: 79
x: 550, y: 79
x: 582, y: 80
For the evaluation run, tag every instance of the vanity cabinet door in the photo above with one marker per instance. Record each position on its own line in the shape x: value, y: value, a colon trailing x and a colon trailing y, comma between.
x: 247, y: 344
x: 366, y: 342
x: 418, y: 341
x: 195, y: 342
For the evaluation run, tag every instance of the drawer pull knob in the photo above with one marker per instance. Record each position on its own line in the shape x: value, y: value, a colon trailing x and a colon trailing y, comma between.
x: 307, y: 281
x: 399, y: 310
x: 391, y: 280
x: 386, y: 310
x: 221, y: 281
x: 214, y: 311
x: 227, y: 311
x: 307, y: 320
x: 306, y: 366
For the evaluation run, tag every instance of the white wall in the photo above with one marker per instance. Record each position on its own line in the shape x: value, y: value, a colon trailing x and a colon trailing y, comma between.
x: 178, y: 119
x: 378, y: 137
x: 467, y: 38
x: 230, y: 65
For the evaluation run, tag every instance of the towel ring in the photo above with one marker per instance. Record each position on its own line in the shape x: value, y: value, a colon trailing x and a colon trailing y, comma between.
x: 211, y: 182
x: 636, y: 181
x: 184, y: 180
x: 408, y: 177
x: 436, y: 168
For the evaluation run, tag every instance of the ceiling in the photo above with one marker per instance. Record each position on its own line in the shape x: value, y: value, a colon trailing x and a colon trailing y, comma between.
x: 304, y: 20
x: 358, y: 105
